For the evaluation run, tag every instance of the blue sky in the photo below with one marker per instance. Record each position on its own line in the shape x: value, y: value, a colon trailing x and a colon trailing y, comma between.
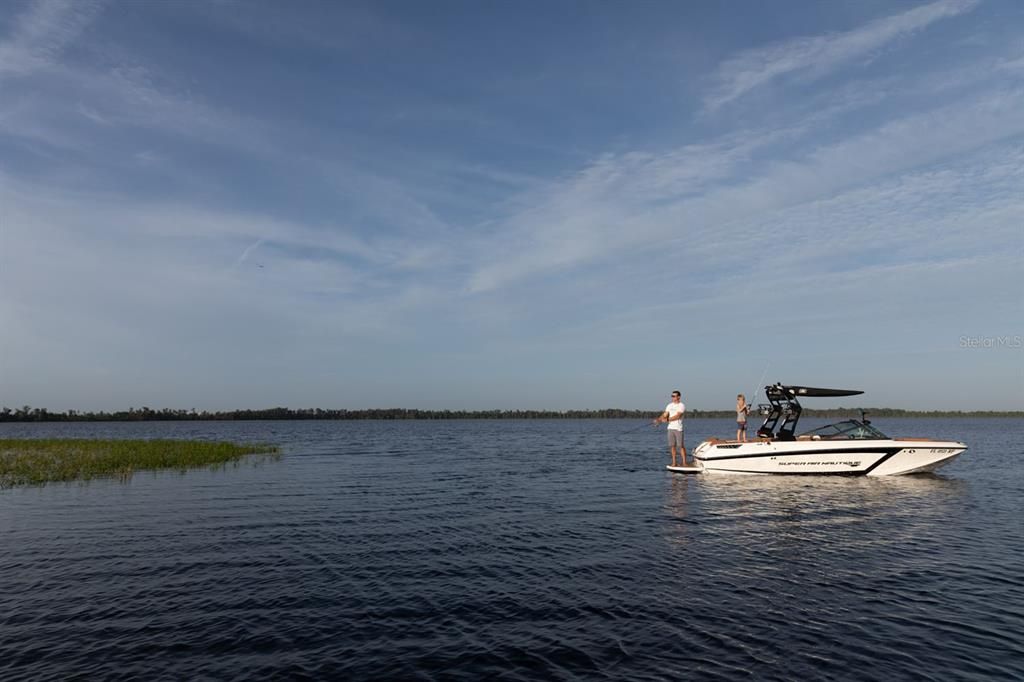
x: 552, y: 205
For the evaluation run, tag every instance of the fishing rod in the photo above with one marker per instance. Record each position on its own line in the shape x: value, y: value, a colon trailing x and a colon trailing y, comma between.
x: 636, y: 428
x: 753, y: 396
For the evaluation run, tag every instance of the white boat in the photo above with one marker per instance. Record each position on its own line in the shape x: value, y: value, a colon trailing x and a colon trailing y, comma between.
x: 850, y: 448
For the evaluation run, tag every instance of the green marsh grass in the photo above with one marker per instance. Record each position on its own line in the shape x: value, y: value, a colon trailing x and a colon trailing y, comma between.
x: 37, y: 461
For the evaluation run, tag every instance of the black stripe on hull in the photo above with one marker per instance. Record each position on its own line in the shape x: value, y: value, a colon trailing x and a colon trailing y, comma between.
x: 888, y: 451
x: 789, y: 473
x: 880, y: 461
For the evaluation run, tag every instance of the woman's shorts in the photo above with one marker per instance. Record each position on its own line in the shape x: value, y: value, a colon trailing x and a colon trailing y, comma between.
x: 675, y: 438
x: 741, y: 426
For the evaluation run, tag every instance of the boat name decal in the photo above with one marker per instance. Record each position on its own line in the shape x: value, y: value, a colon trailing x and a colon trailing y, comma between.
x: 852, y: 463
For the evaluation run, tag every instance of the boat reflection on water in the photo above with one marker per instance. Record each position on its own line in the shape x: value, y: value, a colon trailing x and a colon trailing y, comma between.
x: 761, y: 512
x: 861, y: 496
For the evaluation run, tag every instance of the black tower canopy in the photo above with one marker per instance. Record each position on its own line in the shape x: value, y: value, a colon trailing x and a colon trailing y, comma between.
x: 784, y: 404
x: 808, y: 392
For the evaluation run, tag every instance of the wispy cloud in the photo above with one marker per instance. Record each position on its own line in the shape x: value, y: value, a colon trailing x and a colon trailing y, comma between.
x: 846, y: 262
x: 623, y: 203
x: 42, y: 32
x: 248, y: 250
x: 812, y: 57
x: 412, y: 230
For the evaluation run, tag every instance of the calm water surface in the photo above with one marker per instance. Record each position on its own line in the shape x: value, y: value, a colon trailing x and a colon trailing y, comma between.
x: 514, y: 550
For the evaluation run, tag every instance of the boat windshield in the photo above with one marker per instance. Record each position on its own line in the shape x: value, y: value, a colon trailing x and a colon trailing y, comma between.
x: 847, y: 430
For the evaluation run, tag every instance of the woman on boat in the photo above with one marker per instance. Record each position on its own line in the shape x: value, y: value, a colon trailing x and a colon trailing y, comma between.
x: 742, y: 410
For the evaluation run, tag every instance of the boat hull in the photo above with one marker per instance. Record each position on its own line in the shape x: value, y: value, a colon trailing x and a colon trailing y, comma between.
x: 822, y: 457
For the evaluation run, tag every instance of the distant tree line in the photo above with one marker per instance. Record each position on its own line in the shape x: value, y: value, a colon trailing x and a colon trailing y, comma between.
x: 41, y: 414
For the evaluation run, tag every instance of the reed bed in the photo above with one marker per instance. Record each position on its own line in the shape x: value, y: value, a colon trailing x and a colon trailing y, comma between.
x: 37, y: 461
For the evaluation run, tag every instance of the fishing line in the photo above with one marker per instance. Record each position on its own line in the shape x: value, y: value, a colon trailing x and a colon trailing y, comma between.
x: 637, y: 428
x: 753, y: 397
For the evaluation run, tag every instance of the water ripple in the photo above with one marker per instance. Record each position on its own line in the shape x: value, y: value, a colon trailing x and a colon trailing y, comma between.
x: 470, y: 550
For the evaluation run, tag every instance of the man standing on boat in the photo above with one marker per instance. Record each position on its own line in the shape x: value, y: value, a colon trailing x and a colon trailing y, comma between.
x: 673, y: 414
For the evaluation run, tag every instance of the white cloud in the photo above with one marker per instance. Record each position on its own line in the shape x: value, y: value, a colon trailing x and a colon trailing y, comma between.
x: 248, y: 250
x: 623, y: 203
x: 115, y: 234
x: 815, y: 56
x: 42, y: 33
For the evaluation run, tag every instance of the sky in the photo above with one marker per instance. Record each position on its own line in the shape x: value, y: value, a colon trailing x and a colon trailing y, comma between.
x: 510, y: 205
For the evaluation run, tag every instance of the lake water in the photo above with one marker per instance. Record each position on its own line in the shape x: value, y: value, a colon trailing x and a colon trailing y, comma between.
x: 517, y: 550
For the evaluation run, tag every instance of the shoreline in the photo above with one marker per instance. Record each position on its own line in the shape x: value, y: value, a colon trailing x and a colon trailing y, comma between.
x: 33, y: 415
